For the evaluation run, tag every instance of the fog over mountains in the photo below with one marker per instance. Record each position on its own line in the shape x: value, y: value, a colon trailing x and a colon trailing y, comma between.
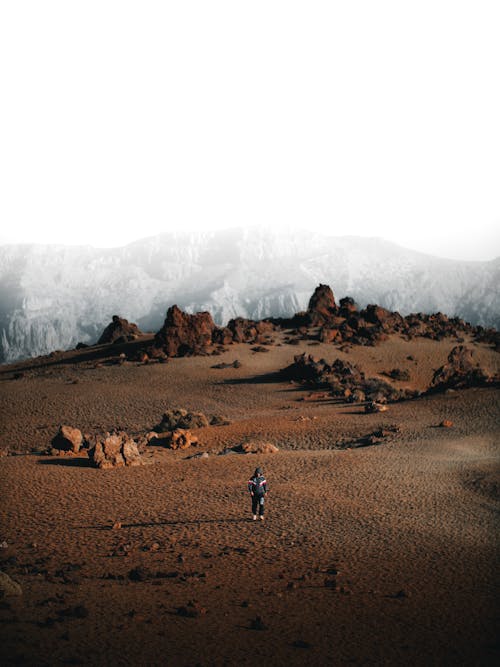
x: 52, y: 297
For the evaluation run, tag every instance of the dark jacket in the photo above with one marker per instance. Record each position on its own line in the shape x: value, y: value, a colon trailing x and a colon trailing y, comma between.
x: 257, y: 485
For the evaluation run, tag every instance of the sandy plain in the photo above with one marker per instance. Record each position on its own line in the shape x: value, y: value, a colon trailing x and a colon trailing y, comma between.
x: 382, y: 555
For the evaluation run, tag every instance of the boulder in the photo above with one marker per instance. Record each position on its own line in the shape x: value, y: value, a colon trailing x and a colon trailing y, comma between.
x: 181, y: 438
x: 119, y: 331
x: 183, y: 334
x: 67, y: 439
x: 179, y: 418
x: 322, y: 306
x: 257, y: 447
x: 114, y: 450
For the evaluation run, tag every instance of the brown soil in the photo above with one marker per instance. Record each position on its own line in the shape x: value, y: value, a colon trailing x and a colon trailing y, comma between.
x: 377, y: 555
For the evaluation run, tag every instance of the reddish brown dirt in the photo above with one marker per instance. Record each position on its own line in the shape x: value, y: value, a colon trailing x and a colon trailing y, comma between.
x: 410, y: 525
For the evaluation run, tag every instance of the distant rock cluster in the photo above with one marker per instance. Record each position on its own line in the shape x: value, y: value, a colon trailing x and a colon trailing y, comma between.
x: 184, y: 334
x: 348, y: 382
x: 461, y: 372
x: 344, y: 380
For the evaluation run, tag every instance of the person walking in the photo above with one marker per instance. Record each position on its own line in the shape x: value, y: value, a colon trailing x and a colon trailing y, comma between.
x: 257, y: 488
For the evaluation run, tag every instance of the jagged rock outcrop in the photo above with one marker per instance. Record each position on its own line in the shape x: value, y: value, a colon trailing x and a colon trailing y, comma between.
x: 119, y: 331
x: 67, y: 440
x: 183, y: 334
x: 322, y: 306
x: 114, y: 450
x: 461, y: 371
x: 345, y: 380
x: 250, y: 331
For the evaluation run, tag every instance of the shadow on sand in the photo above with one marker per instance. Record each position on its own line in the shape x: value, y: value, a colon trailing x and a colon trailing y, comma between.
x: 69, y: 462
x: 176, y: 522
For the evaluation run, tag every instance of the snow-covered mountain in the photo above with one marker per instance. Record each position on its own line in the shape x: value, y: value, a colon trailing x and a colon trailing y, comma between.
x: 51, y: 296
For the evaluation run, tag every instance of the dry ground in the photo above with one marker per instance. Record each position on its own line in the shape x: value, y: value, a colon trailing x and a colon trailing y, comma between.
x: 410, y: 526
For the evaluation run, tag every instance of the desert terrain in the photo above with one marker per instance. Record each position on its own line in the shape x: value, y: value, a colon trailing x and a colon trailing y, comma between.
x: 370, y: 554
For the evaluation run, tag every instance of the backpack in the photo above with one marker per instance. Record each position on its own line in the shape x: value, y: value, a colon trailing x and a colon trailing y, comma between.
x: 258, y: 488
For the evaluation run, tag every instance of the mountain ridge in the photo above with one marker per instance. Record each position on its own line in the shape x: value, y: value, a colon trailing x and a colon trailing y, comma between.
x: 53, y: 296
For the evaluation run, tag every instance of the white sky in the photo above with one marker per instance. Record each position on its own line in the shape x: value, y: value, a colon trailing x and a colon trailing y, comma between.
x: 123, y: 119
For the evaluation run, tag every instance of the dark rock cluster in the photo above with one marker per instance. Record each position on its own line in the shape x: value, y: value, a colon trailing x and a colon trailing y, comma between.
x: 344, y: 380
x: 461, y: 371
x: 324, y: 321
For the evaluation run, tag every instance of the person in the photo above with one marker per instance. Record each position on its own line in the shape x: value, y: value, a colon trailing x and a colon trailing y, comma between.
x: 257, y: 488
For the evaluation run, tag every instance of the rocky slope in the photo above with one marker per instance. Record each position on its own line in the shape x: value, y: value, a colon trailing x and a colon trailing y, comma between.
x: 52, y: 297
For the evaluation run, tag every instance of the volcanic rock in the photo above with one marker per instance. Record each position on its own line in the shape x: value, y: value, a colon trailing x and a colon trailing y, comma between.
x: 250, y: 331
x: 67, y: 439
x: 322, y: 306
x: 253, y: 447
x: 179, y: 418
x: 347, y: 307
x: 183, y: 334
x: 114, y: 450
x: 460, y: 372
x: 180, y: 438
x: 119, y: 331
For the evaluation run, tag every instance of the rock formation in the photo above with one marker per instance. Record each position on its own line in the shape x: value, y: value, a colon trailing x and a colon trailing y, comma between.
x: 345, y: 380
x: 183, y: 334
x: 460, y: 372
x: 114, y: 450
x: 179, y: 418
x: 249, y: 331
x: 119, y: 331
x: 322, y: 306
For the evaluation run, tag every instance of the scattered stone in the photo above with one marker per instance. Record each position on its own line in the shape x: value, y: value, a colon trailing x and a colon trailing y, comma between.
x: 117, y: 525
x: 67, y: 439
x: 446, y: 423
x: 9, y: 587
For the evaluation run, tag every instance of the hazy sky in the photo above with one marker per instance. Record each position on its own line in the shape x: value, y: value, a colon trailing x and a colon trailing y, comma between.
x: 124, y: 119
